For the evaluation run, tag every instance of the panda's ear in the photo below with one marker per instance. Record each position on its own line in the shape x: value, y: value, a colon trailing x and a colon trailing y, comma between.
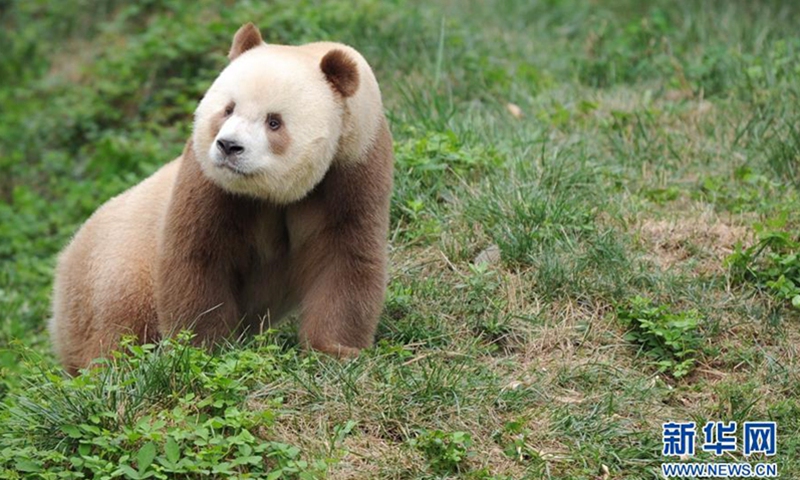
x: 246, y: 37
x: 341, y: 71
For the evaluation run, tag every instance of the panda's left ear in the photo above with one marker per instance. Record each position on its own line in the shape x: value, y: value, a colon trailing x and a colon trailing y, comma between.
x: 341, y: 71
x: 246, y: 37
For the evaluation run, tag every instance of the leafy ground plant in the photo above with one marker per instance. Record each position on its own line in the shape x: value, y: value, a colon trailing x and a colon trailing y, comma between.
x: 445, y: 451
x: 670, y: 339
x: 772, y: 264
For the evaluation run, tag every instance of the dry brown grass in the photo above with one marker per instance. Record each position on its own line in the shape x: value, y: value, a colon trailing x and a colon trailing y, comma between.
x: 698, y: 243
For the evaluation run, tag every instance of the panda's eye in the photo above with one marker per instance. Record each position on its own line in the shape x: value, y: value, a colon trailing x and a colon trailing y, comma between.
x: 274, y: 121
x: 229, y: 109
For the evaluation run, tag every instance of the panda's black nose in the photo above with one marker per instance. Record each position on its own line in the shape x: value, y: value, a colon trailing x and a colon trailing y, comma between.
x: 229, y: 147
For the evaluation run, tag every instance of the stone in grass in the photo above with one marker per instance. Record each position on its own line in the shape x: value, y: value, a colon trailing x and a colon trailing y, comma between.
x: 489, y: 256
x: 514, y: 110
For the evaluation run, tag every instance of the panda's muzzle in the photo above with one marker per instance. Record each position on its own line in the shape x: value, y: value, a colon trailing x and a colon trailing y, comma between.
x: 229, y: 147
x: 231, y: 156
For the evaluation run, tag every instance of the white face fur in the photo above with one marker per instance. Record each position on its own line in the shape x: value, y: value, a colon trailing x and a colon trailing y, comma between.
x: 277, y: 118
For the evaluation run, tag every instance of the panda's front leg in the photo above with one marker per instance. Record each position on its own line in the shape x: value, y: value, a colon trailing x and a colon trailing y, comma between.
x: 342, y: 284
x: 196, y: 295
x: 198, y: 250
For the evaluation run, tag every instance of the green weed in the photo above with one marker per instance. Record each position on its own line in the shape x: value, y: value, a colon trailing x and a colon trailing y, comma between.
x: 772, y: 264
x: 445, y: 451
x: 671, y: 340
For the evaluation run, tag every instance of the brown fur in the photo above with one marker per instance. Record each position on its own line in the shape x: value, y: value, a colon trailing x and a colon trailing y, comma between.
x: 246, y: 37
x: 278, y: 139
x: 188, y: 254
x: 217, y: 121
x: 341, y: 71
x: 338, y: 252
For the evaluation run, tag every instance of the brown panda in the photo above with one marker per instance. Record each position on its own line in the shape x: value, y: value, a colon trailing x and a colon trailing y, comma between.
x: 278, y: 203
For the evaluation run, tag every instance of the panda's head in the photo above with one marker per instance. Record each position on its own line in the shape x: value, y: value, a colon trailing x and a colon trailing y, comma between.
x: 272, y: 122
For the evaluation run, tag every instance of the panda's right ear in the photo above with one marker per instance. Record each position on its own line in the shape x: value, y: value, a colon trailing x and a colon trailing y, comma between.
x: 246, y: 37
x: 341, y: 71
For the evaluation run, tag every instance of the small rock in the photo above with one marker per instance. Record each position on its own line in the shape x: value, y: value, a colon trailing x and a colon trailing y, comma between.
x: 605, y: 474
x: 489, y: 256
x: 513, y: 385
x: 514, y: 110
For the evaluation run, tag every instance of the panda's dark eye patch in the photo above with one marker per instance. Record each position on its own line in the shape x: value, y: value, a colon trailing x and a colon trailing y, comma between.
x: 229, y: 109
x: 274, y: 121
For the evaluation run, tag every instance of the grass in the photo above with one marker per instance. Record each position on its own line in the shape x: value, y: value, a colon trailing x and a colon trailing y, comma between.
x: 642, y: 197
